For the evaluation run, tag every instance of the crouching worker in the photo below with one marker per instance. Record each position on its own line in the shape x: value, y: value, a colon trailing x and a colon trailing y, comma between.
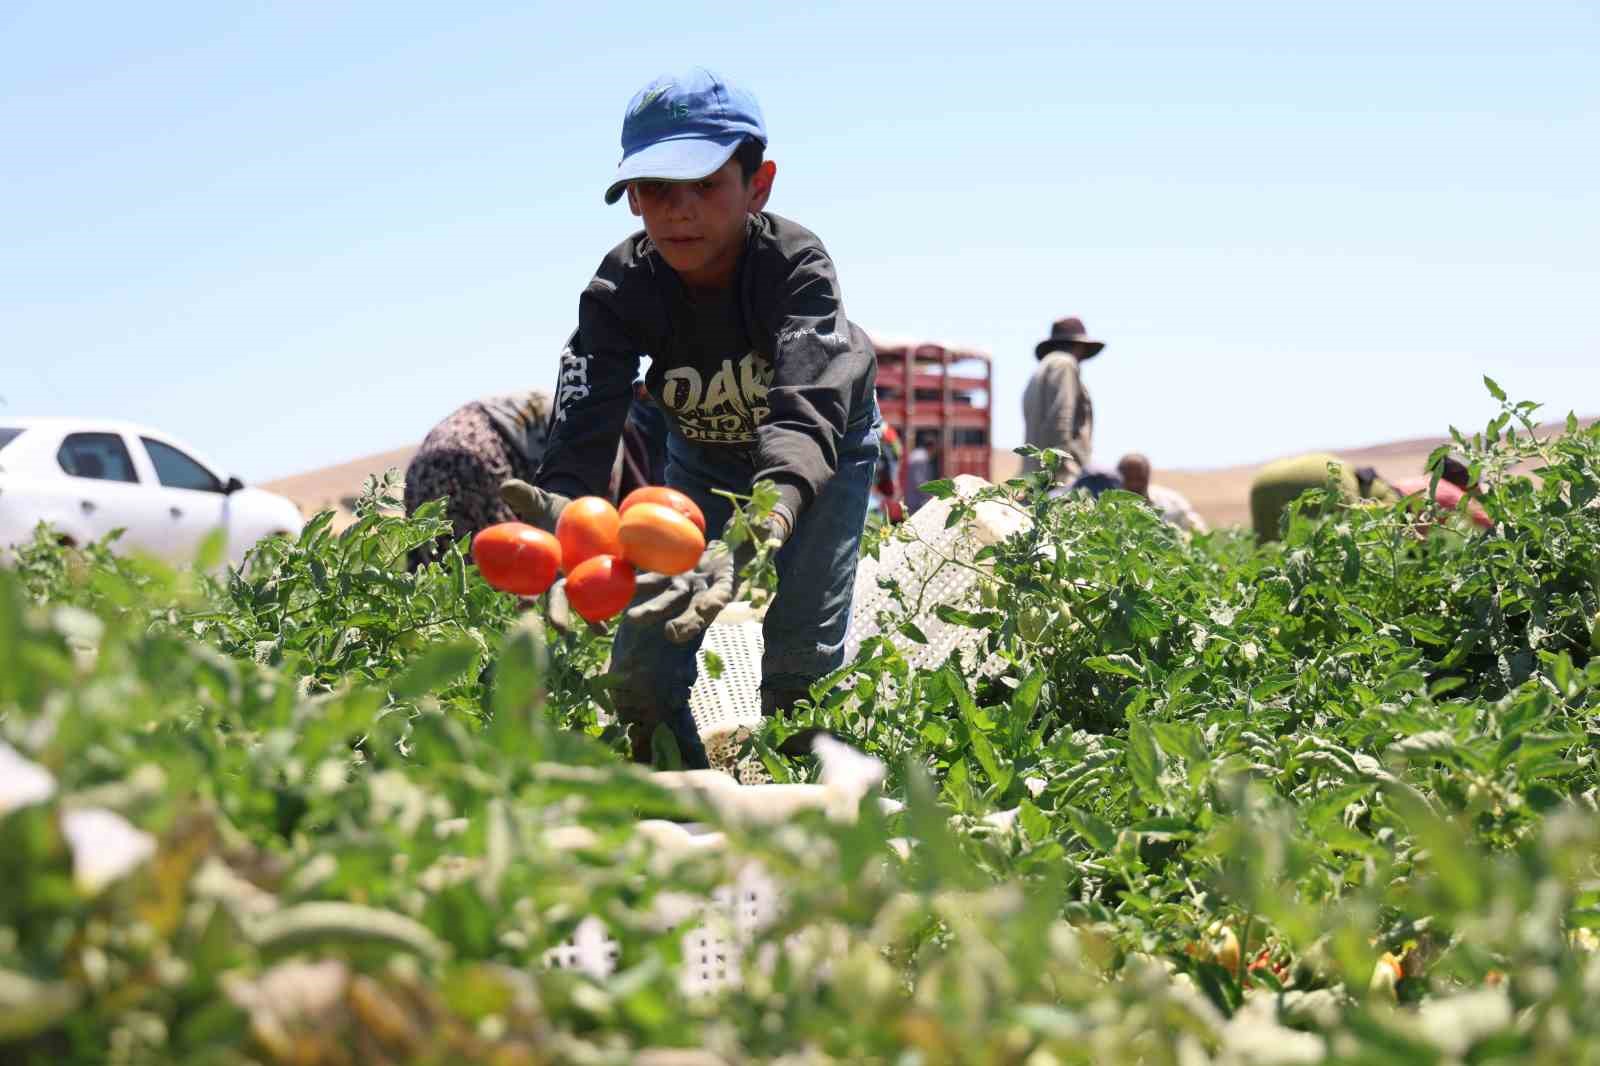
x: 465, y: 458
x: 1282, y: 481
x: 760, y: 375
x: 479, y: 445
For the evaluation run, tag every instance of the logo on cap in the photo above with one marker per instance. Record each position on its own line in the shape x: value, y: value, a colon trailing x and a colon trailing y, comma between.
x: 650, y: 96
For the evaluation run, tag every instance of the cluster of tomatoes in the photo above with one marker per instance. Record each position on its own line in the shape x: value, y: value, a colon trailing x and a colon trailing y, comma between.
x: 598, y: 547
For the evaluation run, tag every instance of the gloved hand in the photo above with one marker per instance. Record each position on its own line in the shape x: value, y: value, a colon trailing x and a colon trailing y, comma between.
x: 688, y: 602
x: 558, y: 610
x: 533, y: 505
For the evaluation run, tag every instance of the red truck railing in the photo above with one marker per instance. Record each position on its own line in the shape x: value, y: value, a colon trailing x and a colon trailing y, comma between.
x: 937, y: 397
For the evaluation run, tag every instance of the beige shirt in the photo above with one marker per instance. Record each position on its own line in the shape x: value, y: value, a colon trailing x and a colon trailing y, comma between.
x: 1175, y: 507
x: 1056, y: 413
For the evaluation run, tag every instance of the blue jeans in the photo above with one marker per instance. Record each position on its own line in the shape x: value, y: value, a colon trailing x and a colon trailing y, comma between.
x: 805, y: 626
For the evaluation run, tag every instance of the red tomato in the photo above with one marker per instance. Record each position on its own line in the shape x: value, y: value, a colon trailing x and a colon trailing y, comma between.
x: 516, y: 557
x: 669, y: 497
x: 600, y: 587
x: 655, y: 537
x: 587, y: 527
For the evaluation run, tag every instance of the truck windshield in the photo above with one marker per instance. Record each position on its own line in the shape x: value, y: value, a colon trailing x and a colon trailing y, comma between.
x: 7, y: 435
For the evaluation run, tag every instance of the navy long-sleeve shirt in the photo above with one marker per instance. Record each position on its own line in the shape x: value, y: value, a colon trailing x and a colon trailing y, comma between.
x: 771, y: 366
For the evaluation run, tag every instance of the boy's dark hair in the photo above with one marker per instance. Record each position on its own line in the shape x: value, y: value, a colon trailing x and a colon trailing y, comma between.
x: 750, y: 154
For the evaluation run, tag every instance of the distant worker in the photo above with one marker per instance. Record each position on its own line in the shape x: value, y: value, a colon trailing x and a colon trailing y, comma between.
x: 1170, y: 504
x: 1277, y: 483
x: 887, y: 488
x: 1455, y: 484
x: 1095, y: 481
x: 480, y: 444
x: 922, y: 466
x: 1456, y: 473
x: 1282, y: 481
x: 1056, y: 411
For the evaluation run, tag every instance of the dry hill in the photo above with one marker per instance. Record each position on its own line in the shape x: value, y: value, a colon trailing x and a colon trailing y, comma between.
x: 336, y: 487
x: 1221, y: 494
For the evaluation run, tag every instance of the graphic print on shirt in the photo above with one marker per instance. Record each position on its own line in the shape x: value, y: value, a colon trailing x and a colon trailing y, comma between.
x: 724, y: 410
x: 572, y: 383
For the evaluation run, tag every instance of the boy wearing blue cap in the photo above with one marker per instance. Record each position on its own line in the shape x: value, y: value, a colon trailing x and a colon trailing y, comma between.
x: 761, y: 376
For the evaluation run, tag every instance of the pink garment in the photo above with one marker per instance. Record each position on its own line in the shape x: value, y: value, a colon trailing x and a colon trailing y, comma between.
x: 1447, y: 496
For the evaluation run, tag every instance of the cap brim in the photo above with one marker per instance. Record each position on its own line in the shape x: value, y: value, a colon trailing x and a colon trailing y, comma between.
x: 677, y: 160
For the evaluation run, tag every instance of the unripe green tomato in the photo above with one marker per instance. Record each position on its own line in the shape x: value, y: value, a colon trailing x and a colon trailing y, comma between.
x: 1032, y: 622
x: 988, y: 595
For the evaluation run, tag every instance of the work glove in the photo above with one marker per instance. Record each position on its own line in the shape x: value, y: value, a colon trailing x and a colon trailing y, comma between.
x: 689, y: 601
x: 560, y: 613
x: 533, y: 505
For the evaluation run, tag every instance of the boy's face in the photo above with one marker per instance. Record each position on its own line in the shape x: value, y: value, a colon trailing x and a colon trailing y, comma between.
x: 698, y: 226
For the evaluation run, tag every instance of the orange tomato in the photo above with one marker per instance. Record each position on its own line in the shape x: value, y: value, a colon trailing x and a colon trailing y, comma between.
x: 671, y: 498
x: 587, y: 527
x: 656, y: 537
x: 516, y: 557
x: 600, y: 587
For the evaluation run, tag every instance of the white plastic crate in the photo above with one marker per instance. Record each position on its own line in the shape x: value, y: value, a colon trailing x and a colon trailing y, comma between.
x: 589, y: 950
x: 933, y: 565
x: 922, y: 555
x: 714, y: 947
x: 716, y: 934
x: 717, y: 931
x: 725, y: 704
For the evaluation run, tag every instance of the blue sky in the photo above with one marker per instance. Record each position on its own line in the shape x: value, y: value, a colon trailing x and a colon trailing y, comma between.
x: 298, y: 233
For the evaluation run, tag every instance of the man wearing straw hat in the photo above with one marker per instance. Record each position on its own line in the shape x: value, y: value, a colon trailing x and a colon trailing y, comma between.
x: 1056, y: 411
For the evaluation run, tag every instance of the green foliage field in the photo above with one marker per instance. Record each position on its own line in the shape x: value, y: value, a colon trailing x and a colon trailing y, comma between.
x: 1333, y: 799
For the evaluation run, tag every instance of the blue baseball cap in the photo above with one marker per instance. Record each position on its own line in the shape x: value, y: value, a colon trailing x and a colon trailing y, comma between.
x: 682, y: 127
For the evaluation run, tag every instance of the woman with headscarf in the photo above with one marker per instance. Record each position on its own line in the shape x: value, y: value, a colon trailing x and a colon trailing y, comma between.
x: 480, y: 444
